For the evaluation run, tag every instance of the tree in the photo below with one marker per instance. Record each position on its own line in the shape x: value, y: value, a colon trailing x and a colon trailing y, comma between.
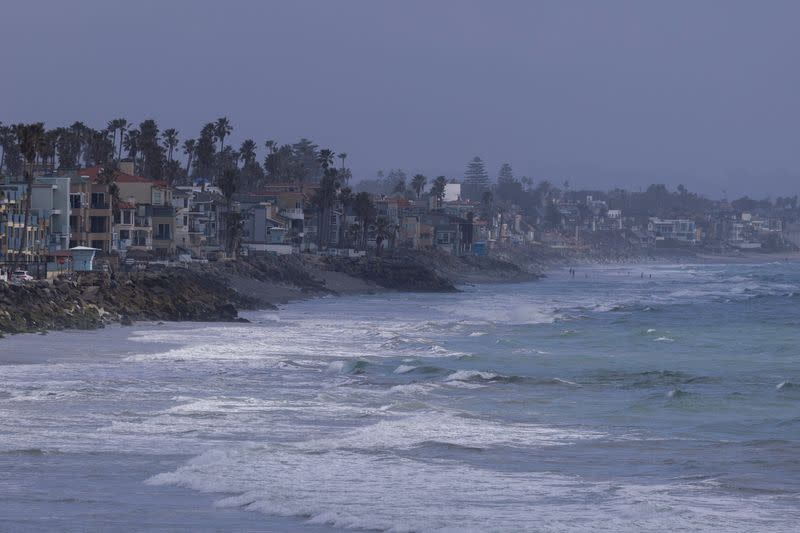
x: 365, y: 213
x: 325, y: 199
x: 247, y: 151
x: 506, y: 175
x: 132, y: 138
x: 170, y: 136
x: 437, y: 190
x: 381, y: 232
x: 118, y: 124
x: 400, y: 186
x: 99, y: 148
x: 487, y: 202
x: 6, y: 139
x: 252, y: 173
x: 108, y: 176
x: 476, y: 179
x: 28, y: 138
x: 68, y: 147
x: 222, y: 128
x: 395, y: 181
x: 418, y: 184
x: 325, y: 158
x: 205, y: 152
x: 229, y: 184
x: 151, y: 150
x: 342, y: 156
x: 346, y: 199
x: 189, y: 148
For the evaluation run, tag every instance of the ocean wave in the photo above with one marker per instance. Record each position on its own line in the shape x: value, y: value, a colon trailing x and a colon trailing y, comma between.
x: 347, y: 489
x: 787, y: 386
x: 477, y: 376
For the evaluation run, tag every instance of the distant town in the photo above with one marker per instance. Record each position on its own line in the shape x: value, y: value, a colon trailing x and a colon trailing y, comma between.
x: 75, y: 197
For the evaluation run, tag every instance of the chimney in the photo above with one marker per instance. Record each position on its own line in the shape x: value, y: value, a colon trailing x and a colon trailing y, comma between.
x: 126, y: 166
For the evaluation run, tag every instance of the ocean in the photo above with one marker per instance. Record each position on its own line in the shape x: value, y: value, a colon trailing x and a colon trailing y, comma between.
x: 625, y: 398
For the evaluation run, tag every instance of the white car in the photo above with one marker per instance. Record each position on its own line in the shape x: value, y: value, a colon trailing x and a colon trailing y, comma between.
x: 19, y: 276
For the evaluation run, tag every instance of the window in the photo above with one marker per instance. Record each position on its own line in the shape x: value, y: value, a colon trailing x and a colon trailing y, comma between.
x: 97, y: 224
x: 157, y: 197
x: 127, y: 217
x: 75, y: 200
x: 163, y: 232
x: 98, y: 245
x: 99, y: 200
x: 124, y: 234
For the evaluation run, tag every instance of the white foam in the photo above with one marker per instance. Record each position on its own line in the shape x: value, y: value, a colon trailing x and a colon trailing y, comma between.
x: 403, y: 369
x: 466, y: 375
x: 387, y: 493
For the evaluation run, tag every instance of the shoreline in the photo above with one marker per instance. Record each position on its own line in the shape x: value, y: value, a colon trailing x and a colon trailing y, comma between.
x: 219, y: 292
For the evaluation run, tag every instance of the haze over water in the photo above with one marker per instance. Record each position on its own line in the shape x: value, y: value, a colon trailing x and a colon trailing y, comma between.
x: 609, y: 401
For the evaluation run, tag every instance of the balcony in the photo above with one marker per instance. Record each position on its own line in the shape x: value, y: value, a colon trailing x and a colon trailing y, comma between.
x: 295, y: 213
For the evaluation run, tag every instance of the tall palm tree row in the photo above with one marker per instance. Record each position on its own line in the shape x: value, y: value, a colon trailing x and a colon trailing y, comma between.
x: 154, y: 151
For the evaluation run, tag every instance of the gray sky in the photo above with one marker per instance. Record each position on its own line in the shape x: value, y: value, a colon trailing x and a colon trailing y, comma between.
x: 704, y: 93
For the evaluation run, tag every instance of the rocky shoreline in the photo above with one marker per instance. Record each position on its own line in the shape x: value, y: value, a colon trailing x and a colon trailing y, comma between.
x: 215, y: 292
x: 92, y: 300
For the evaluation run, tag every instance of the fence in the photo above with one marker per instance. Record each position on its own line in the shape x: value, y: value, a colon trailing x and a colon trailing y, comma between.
x: 36, y: 269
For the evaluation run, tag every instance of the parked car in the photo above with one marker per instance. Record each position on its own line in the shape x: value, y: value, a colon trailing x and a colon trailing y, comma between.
x: 18, y: 276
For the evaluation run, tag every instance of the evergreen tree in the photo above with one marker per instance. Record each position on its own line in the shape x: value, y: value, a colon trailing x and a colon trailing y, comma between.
x: 476, y: 179
x: 506, y: 175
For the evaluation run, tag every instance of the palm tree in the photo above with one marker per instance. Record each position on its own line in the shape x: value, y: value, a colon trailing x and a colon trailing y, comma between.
x: 121, y: 125
x: 222, y: 128
x: 247, y: 151
x: 325, y: 158
x: 28, y: 138
x: 418, y: 183
x: 6, y: 136
x: 365, y: 212
x: 132, y: 140
x: 342, y: 156
x: 111, y: 127
x: 325, y: 200
x: 229, y: 184
x: 383, y: 230
x: 189, y: 148
x: 170, y: 136
x: 437, y: 190
x: 108, y: 176
x: 346, y: 200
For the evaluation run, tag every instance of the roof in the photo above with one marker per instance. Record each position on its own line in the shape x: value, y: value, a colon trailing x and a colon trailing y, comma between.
x: 120, y: 177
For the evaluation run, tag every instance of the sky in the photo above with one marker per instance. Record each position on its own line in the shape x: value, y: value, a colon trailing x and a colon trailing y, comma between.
x: 601, y: 94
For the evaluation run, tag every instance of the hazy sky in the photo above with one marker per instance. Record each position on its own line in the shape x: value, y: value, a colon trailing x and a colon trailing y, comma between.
x: 705, y: 93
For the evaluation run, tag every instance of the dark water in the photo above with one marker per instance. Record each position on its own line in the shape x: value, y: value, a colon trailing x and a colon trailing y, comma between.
x: 610, y: 401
